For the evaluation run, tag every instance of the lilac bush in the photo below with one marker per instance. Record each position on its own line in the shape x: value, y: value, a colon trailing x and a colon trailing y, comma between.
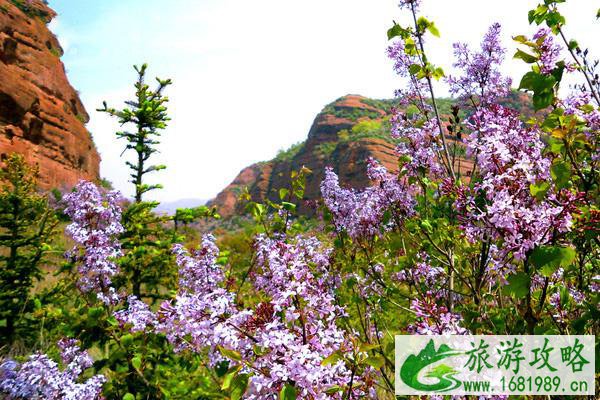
x: 95, y: 227
x: 41, y: 378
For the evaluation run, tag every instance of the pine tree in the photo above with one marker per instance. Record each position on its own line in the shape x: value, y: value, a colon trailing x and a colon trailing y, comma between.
x: 146, y: 242
x: 27, y: 225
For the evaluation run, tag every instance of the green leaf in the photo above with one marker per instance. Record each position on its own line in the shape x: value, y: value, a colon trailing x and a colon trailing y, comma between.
x: 433, y: 29
x: 239, y: 384
x: 528, y: 58
x: 542, y: 100
x: 547, y: 259
x: 136, y: 362
x: 129, y: 396
x: 375, y: 362
x: 598, y: 14
x: 232, y: 355
x: 527, y: 81
x: 561, y: 174
x: 426, y: 225
x: 95, y: 312
x: 539, y: 190
x: 228, y: 378
x: 283, y: 192
x: 288, y: 392
x: 288, y: 206
x: 414, y: 69
x: 518, y: 284
x: 332, y: 359
x: 127, y: 340
x: 396, y: 30
x: 573, y: 44
x: 333, y: 389
x: 438, y: 73
x: 521, y: 39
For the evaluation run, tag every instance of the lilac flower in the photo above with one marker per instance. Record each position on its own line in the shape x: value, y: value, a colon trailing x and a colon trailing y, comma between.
x: 201, y: 305
x: 417, y: 89
x: 198, y: 271
x: 296, y: 279
x: 360, y: 213
x: 434, y: 319
x: 578, y: 104
x: 480, y: 70
x: 510, y: 159
x: 295, y: 327
x: 95, y: 227
x: 40, y: 378
x: 423, y: 274
x: 410, y: 4
x: 595, y: 284
x: 138, y: 315
x: 549, y: 51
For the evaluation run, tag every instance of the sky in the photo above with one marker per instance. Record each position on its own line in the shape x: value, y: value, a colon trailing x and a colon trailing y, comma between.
x: 249, y: 77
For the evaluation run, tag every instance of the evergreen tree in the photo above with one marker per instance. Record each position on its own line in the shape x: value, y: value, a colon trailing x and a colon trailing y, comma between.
x: 147, y: 263
x: 27, y: 225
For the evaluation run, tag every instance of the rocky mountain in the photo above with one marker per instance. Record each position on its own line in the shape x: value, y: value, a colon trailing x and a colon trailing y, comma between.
x: 41, y: 115
x: 344, y: 134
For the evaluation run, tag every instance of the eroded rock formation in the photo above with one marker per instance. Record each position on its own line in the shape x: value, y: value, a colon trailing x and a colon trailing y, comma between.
x: 41, y: 115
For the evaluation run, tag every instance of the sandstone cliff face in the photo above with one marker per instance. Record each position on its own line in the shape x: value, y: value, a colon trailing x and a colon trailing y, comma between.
x: 41, y: 115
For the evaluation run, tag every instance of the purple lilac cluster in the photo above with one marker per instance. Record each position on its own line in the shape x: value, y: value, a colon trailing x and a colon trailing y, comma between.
x: 410, y: 4
x: 433, y: 318
x: 137, y: 314
x: 360, y: 213
x: 283, y: 339
x: 580, y: 105
x: 481, y: 75
x: 95, y: 227
x: 420, y: 135
x: 423, y: 274
x: 198, y: 317
x: 549, y: 51
x: 40, y: 377
x: 510, y: 160
x: 294, y: 276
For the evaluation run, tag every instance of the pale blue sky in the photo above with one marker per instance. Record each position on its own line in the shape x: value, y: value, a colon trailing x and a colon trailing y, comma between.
x: 250, y: 76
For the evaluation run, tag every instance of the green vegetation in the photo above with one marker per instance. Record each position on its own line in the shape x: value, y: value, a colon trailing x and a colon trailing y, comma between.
x: 29, y: 9
x: 27, y: 225
x: 325, y: 149
x: 56, y: 52
x: 382, y: 104
x: 351, y: 113
x: 367, y: 129
x: 147, y: 246
x: 290, y: 153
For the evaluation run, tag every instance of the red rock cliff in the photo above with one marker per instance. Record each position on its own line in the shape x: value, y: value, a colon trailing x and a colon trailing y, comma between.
x: 41, y: 115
